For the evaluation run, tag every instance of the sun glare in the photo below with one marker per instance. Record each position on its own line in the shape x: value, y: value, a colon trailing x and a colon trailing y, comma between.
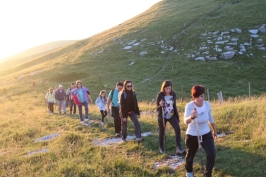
x: 29, y: 23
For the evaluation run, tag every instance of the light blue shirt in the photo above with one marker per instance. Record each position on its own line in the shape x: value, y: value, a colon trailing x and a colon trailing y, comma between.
x: 81, y: 96
x: 115, y: 98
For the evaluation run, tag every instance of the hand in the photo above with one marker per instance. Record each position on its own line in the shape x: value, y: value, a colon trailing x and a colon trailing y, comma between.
x: 214, y: 135
x: 138, y: 116
x: 194, y: 113
x: 124, y: 119
x: 161, y: 103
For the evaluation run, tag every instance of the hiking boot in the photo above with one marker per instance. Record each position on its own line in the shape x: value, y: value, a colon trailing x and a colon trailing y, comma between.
x: 180, y: 151
x: 117, y: 135
x: 124, y: 140
x: 86, y: 120
x: 102, y: 123
x: 189, y: 174
x: 161, y: 150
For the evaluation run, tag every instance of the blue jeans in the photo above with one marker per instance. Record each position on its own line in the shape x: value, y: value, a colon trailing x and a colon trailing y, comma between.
x: 86, y: 110
x: 61, y: 105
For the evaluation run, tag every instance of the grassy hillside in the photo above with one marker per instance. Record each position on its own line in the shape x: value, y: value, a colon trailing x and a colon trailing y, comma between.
x: 167, y: 32
x: 23, y: 118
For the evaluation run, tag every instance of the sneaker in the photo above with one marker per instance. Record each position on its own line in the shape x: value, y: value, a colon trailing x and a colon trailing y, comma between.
x: 180, y: 151
x: 124, y: 140
x: 82, y: 122
x: 161, y: 150
x: 102, y: 123
x: 86, y: 120
x: 189, y: 174
x: 117, y: 134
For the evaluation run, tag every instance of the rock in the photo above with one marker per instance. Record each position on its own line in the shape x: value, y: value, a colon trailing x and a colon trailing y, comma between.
x: 127, y: 47
x: 219, y: 38
x: 203, y: 48
x: 131, y: 63
x: 225, y: 32
x: 264, y: 56
x: 253, y: 31
x: 259, y: 40
x: 211, y: 58
x: 262, y: 48
x: 216, y: 32
x: 251, y: 54
x: 162, y: 52
x: 143, y: 53
x: 243, y: 50
x: 234, y: 39
x: 228, y: 48
x: 205, y: 53
x: 262, y: 29
x: 220, y: 42
x: 200, y: 59
x: 228, y: 55
x: 237, y: 30
x: 233, y: 30
x: 171, y: 48
x: 232, y: 44
x: 254, y: 35
x: 136, y: 44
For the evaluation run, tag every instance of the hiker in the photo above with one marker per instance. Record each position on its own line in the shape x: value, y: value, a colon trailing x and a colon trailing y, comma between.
x: 81, y: 96
x: 113, y: 98
x: 69, y: 97
x: 60, y: 96
x: 166, y: 103
x: 129, y: 107
x: 197, y: 115
x: 101, y: 102
x: 50, y: 100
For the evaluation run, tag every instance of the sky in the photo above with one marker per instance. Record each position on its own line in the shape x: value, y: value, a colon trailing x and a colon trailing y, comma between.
x: 28, y: 23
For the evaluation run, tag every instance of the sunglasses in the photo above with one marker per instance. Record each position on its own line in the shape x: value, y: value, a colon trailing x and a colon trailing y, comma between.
x: 128, y: 86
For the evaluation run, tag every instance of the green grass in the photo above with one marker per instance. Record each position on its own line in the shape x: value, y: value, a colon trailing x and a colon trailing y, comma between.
x: 23, y: 118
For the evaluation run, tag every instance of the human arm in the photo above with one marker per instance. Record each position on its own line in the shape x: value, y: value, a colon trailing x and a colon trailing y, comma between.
x: 214, y: 132
x: 190, y: 114
x: 122, y: 107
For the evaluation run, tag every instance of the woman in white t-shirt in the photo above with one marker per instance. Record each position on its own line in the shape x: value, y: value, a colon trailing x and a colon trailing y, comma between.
x: 198, y: 116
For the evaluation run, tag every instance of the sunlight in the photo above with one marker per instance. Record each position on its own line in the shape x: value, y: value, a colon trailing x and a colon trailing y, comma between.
x: 29, y: 23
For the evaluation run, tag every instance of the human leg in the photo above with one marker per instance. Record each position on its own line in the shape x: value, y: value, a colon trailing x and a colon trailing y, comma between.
x: 192, y: 147
x: 117, y: 119
x: 208, y: 146
x: 80, y: 112
x: 135, y: 120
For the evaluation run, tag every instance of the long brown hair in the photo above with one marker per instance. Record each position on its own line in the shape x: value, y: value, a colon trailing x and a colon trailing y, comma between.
x: 100, y: 94
x: 166, y: 83
x: 125, y: 85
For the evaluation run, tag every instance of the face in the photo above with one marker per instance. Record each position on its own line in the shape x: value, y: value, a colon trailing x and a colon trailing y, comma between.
x: 119, y: 88
x: 199, y: 99
x: 103, y: 94
x: 129, y: 86
x: 72, y: 86
x: 51, y: 91
x: 79, y: 84
x: 168, y: 89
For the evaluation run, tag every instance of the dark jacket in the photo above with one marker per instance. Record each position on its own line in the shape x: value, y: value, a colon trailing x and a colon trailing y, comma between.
x: 125, y: 104
x: 60, y: 96
x: 160, y: 97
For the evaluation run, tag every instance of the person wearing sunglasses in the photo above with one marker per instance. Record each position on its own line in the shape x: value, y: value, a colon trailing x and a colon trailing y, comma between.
x: 167, y: 112
x: 129, y: 108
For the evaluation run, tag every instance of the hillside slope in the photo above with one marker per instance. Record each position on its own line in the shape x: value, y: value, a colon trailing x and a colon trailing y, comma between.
x: 33, y: 52
x: 159, y: 43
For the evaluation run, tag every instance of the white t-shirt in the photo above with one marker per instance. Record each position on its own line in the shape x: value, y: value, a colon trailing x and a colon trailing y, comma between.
x: 204, y: 115
x: 168, y: 107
